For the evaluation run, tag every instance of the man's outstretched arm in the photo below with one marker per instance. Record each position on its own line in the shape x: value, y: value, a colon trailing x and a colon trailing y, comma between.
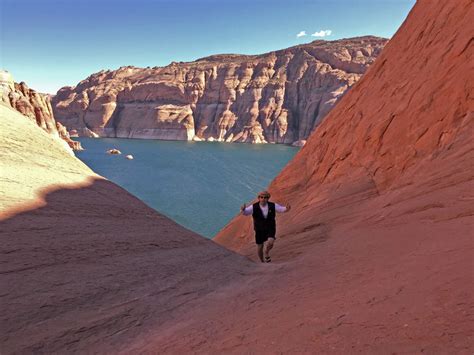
x: 281, y: 209
x: 246, y: 210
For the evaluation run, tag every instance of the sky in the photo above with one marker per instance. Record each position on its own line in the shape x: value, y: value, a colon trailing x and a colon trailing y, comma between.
x: 54, y: 43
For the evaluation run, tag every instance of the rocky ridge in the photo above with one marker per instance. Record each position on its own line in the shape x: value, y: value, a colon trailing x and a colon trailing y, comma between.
x: 278, y: 97
x: 35, y: 106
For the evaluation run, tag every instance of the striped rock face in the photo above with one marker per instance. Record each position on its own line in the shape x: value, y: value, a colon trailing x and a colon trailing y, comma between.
x: 278, y: 97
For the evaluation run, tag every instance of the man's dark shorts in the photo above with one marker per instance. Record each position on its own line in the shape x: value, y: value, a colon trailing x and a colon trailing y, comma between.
x: 261, y: 237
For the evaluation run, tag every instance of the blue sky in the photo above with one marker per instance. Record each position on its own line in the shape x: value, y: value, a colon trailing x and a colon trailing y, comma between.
x: 53, y: 43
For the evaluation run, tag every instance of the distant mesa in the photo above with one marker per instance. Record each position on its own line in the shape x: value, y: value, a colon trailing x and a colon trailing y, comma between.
x: 277, y: 97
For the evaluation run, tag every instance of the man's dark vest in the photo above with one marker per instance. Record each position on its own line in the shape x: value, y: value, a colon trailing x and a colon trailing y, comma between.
x: 262, y: 224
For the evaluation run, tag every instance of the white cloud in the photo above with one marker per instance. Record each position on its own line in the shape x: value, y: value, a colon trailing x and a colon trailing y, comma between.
x: 322, y: 33
x: 301, y: 34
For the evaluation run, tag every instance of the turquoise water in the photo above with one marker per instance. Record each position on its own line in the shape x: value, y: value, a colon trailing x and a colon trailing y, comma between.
x: 200, y: 185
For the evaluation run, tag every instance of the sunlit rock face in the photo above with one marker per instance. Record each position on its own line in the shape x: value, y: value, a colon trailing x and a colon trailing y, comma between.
x: 277, y: 97
x: 28, y: 102
x: 34, y: 105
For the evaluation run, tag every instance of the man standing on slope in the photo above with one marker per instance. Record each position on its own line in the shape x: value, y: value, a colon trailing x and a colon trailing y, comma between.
x: 263, y: 213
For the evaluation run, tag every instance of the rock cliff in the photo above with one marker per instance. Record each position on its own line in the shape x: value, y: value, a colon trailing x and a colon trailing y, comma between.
x: 278, y: 97
x: 34, y: 105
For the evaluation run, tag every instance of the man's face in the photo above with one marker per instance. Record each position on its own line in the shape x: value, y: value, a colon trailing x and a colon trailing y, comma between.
x: 263, y: 199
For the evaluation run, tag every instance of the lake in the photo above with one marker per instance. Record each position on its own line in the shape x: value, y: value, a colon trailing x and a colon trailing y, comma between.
x: 200, y: 185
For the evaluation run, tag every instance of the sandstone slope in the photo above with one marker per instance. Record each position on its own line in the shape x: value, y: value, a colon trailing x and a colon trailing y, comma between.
x: 377, y: 253
x: 278, y: 97
x: 34, y: 105
x: 85, y: 266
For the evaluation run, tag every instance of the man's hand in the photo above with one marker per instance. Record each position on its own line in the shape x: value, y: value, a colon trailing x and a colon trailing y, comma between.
x: 243, y: 207
x: 288, y: 207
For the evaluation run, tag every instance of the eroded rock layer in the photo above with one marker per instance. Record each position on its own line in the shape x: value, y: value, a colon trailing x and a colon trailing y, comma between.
x: 278, y: 97
x: 34, y: 105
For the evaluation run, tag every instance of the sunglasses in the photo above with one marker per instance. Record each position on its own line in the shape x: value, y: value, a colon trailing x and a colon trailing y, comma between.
x: 267, y: 197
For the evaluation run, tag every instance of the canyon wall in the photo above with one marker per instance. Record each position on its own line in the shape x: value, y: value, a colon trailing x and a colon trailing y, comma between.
x: 278, y: 97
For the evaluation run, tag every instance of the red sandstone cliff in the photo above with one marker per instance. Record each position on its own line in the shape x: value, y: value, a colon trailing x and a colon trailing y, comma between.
x: 34, y: 105
x: 398, y: 126
x: 277, y: 97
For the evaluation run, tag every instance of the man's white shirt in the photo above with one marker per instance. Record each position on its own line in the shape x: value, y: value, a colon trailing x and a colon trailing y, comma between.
x: 278, y: 208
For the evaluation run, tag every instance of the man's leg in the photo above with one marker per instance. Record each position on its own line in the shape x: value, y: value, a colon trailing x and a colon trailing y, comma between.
x: 268, y: 247
x: 260, y: 251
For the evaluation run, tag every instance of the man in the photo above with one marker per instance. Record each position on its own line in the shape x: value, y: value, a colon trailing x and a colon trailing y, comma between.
x: 263, y: 213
